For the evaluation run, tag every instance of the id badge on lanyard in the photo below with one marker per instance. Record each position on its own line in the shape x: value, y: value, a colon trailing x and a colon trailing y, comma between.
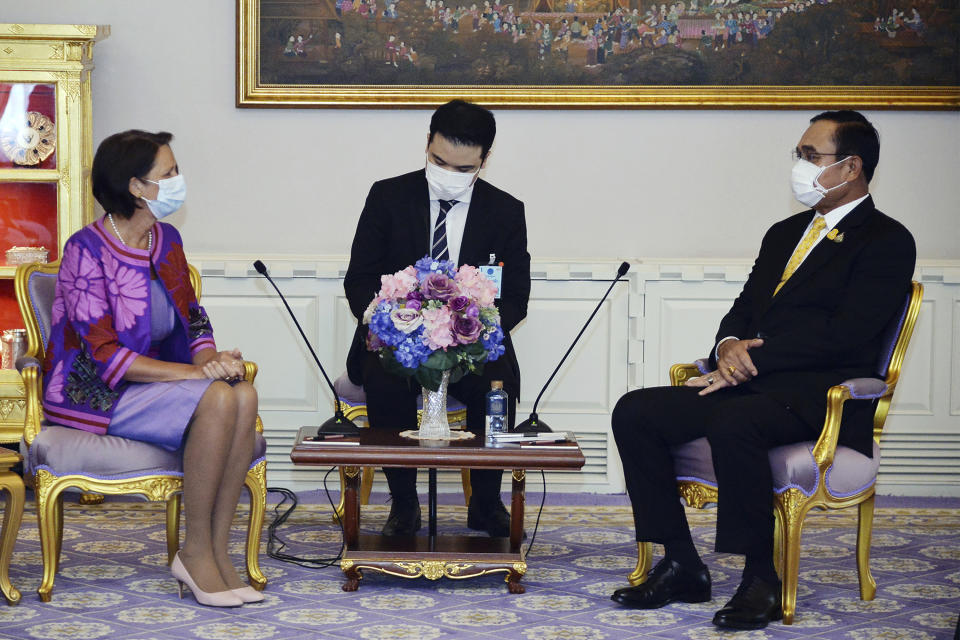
x: 494, y: 273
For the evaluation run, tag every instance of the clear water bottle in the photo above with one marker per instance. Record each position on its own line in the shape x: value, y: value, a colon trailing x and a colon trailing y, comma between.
x: 496, y: 409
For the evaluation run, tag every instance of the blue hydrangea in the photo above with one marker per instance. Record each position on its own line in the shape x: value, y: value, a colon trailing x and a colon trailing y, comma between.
x: 383, y: 327
x: 427, y: 265
x: 492, y: 339
x: 412, y: 352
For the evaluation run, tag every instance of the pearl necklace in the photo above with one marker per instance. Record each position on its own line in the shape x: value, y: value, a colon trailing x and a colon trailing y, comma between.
x: 117, y: 231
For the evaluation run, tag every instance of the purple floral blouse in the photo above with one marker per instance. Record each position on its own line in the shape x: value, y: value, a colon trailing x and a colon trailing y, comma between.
x: 101, y: 322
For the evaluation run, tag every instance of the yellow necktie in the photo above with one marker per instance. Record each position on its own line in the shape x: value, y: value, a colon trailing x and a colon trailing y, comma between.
x: 802, y: 249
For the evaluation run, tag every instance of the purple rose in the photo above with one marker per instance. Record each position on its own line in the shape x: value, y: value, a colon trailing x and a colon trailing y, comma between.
x: 459, y: 303
x: 439, y: 287
x: 415, y: 295
x: 466, y: 329
x: 414, y: 304
x: 374, y: 343
x: 472, y: 311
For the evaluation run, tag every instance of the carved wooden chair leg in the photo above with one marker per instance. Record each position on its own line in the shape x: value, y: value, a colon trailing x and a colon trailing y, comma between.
x: 12, y: 515
x: 792, y: 516
x: 256, y: 483
x: 644, y: 564
x: 58, y: 529
x: 868, y: 586
x: 173, y: 526
x: 467, y: 488
x: 778, y: 542
x: 47, y: 524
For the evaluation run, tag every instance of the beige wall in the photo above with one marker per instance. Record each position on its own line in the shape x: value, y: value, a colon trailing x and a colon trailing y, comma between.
x: 667, y: 184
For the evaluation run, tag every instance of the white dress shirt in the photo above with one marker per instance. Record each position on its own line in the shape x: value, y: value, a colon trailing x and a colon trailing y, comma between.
x: 456, y: 221
x: 831, y: 220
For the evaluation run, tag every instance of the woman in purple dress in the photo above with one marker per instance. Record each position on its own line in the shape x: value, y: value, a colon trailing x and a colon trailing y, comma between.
x: 131, y: 354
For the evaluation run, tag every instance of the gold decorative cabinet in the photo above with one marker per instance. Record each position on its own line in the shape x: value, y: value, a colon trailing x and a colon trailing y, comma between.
x: 46, y: 149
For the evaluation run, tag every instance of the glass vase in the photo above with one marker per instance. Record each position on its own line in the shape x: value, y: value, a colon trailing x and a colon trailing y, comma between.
x: 433, y: 419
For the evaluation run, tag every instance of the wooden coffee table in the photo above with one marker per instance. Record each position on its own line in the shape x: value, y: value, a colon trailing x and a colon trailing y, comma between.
x: 433, y: 556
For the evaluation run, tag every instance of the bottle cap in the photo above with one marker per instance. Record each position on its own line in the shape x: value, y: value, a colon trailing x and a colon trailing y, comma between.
x: 496, y: 384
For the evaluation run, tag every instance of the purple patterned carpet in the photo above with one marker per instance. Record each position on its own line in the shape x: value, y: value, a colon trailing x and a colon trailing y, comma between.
x: 113, y: 582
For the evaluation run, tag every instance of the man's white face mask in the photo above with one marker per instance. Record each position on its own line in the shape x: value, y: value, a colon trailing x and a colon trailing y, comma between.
x: 449, y: 185
x: 804, y: 181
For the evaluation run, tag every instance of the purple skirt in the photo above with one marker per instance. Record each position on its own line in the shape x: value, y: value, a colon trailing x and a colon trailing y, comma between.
x: 157, y: 412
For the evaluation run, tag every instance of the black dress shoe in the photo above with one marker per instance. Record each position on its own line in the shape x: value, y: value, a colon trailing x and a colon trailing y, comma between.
x: 491, y: 517
x: 753, y: 606
x: 404, y: 519
x: 668, y: 582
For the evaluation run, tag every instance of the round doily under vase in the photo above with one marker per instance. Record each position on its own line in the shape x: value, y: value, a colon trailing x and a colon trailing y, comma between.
x: 417, y: 434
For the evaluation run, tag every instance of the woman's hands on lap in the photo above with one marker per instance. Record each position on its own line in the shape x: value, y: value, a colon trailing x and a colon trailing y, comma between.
x: 223, y: 365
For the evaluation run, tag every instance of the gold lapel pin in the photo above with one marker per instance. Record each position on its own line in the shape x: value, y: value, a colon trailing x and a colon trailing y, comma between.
x: 833, y: 235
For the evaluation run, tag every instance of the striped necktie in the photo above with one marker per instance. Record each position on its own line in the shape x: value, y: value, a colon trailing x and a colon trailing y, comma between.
x: 438, y: 248
x: 802, y: 249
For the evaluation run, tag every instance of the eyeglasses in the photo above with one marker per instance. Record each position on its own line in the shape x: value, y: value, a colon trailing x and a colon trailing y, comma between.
x: 813, y: 156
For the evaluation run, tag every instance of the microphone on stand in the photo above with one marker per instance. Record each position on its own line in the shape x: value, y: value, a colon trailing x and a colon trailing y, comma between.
x: 338, y: 424
x: 534, y: 423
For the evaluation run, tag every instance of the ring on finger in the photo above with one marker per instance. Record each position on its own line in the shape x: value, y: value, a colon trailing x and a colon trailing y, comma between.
x: 732, y: 369
x: 711, y: 380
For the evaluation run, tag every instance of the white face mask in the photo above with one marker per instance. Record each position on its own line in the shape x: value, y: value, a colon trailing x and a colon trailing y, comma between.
x: 449, y: 185
x: 804, y: 180
x: 170, y: 195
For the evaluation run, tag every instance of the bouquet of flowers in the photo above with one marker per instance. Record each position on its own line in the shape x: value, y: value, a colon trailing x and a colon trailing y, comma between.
x: 433, y: 317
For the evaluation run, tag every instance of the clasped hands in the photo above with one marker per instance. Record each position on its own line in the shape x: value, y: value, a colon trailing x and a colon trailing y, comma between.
x: 734, y: 366
x: 225, y: 365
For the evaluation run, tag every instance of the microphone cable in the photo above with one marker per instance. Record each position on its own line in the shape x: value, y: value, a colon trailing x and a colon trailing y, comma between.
x: 536, y: 525
x: 276, y: 544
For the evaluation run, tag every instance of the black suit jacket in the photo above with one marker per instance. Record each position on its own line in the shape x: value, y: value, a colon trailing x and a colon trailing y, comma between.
x: 394, y: 232
x: 826, y: 323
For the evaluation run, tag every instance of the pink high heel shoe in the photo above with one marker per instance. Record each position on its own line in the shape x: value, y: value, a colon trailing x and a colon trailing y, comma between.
x: 248, y: 594
x: 218, y: 599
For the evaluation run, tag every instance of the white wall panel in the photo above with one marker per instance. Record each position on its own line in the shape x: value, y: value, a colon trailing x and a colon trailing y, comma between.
x: 954, y: 350
x: 667, y: 313
x: 915, y: 391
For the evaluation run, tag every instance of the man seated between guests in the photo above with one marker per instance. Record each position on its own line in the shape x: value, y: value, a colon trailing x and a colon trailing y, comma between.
x: 823, y: 288
x: 446, y: 211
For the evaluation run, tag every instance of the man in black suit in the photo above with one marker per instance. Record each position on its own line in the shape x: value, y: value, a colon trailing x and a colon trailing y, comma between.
x: 812, y: 312
x: 446, y: 211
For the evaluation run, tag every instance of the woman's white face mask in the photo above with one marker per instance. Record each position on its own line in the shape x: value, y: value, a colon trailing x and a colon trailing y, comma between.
x: 804, y: 181
x: 170, y: 196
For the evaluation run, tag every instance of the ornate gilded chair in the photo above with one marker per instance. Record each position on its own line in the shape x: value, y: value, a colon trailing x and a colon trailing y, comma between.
x: 57, y: 458
x: 12, y: 484
x: 807, y: 475
x: 354, y: 402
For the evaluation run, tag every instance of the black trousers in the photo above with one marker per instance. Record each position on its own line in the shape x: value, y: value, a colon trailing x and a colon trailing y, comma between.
x: 392, y: 404
x: 741, y: 427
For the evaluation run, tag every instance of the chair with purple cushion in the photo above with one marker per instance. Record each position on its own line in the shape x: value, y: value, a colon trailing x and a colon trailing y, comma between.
x: 353, y: 399
x: 807, y: 475
x: 58, y: 458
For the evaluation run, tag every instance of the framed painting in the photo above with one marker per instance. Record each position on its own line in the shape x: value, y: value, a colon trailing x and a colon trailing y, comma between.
x: 600, y: 53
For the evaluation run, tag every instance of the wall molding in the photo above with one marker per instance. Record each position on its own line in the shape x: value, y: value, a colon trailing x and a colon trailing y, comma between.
x: 666, y: 311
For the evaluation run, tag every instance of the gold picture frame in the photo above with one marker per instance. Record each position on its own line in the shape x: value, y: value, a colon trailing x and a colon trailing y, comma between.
x: 253, y: 90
